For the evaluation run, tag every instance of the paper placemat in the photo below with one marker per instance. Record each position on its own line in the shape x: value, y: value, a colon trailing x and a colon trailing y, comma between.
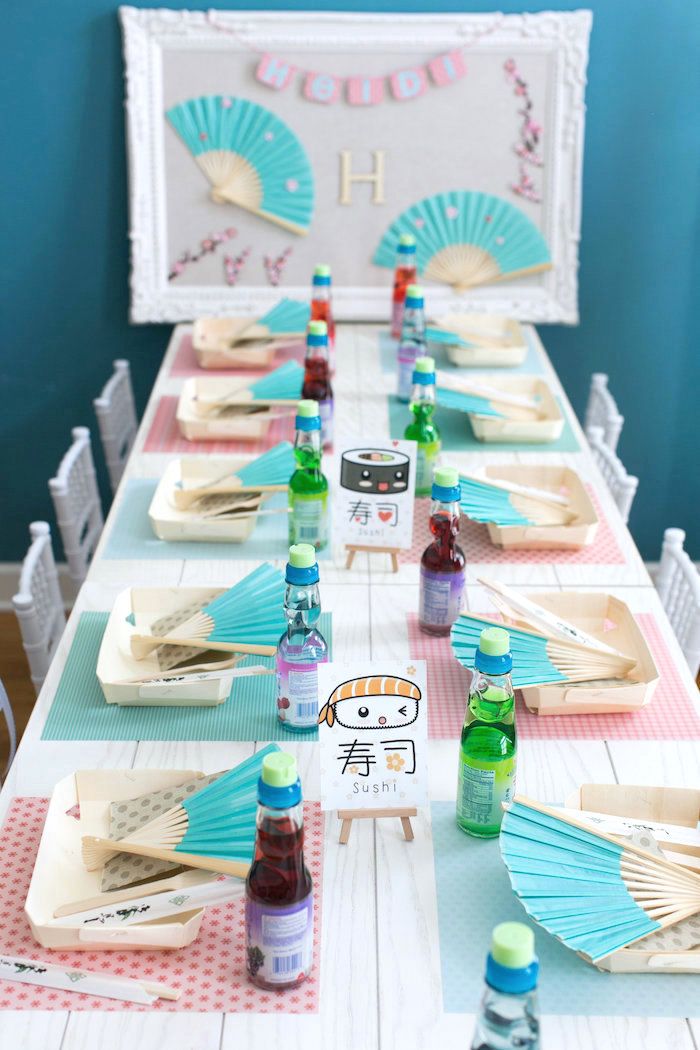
x: 184, y: 364
x: 164, y: 435
x: 131, y: 535
x: 531, y: 364
x: 210, y: 972
x: 458, y: 436
x: 670, y: 714
x: 80, y: 712
x: 474, y: 895
x: 474, y: 540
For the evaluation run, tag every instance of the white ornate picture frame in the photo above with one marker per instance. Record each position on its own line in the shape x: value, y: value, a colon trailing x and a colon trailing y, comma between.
x: 172, y: 56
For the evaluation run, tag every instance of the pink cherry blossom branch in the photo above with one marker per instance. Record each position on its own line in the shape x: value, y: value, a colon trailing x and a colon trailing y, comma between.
x: 530, y: 132
x: 207, y: 247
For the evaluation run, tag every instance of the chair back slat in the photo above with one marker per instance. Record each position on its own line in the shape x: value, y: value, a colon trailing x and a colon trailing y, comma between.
x: 6, y: 708
x: 602, y: 411
x: 623, y: 486
x: 76, y: 500
x: 678, y: 584
x: 38, y: 604
x: 116, y: 418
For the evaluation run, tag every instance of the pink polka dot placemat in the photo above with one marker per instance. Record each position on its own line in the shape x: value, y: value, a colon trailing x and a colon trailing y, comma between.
x: 210, y: 972
x: 185, y: 360
x: 165, y: 436
x: 474, y: 540
x: 670, y: 715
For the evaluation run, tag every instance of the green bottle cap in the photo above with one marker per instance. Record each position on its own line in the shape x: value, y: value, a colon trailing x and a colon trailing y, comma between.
x: 425, y: 365
x: 280, y: 770
x: 302, y: 555
x: 512, y: 943
x: 414, y: 291
x: 494, y: 641
x: 318, y: 328
x: 307, y: 409
x: 445, y: 477
x: 322, y: 270
x: 407, y: 240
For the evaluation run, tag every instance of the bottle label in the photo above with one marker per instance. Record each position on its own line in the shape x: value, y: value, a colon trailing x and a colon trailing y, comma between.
x: 397, y: 308
x: 308, y: 520
x: 280, y: 941
x: 482, y: 788
x: 325, y: 411
x: 407, y: 361
x: 440, y: 597
x: 426, y: 455
x: 297, y: 692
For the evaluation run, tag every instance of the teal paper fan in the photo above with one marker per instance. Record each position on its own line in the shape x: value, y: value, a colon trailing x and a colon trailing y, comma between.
x: 250, y: 157
x: 465, y: 238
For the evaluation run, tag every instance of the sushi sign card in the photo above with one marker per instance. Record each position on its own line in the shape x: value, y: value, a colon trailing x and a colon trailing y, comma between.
x: 375, y: 497
x: 261, y: 142
x: 373, y: 732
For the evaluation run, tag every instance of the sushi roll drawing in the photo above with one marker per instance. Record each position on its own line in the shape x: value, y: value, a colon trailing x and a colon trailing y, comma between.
x: 378, y: 471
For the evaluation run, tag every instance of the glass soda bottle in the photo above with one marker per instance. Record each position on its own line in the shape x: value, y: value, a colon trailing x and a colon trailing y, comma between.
x: 422, y: 429
x: 317, y: 383
x: 308, y: 486
x: 302, y: 647
x: 488, y: 748
x: 412, y: 341
x: 279, y: 910
x: 509, y: 1015
x: 322, y: 305
x: 404, y: 274
x: 442, y: 564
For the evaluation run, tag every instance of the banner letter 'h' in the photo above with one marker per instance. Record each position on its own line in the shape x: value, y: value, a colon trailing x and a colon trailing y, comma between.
x: 347, y: 177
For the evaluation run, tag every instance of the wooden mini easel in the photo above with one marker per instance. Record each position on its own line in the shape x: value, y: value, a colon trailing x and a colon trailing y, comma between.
x: 348, y: 815
x: 353, y: 548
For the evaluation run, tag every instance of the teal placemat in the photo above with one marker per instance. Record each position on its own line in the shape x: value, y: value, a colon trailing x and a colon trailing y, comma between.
x: 132, y: 537
x: 457, y: 434
x: 80, y: 712
x: 532, y: 362
x: 474, y: 894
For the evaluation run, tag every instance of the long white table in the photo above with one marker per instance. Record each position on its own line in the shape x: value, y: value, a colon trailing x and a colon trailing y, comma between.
x: 380, y: 952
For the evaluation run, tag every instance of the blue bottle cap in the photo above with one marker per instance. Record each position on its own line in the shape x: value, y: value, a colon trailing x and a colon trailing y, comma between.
x: 424, y: 371
x: 279, y: 786
x: 407, y: 244
x: 302, y: 567
x: 414, y: 296
x: 322, y: 274
x: 308, y: 417
x: 493, y: 655
x: 511, y: 965
x: 317, y: 334
x: 446, y: 485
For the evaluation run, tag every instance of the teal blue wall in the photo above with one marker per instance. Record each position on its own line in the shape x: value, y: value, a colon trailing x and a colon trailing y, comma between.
x: 65, y: 250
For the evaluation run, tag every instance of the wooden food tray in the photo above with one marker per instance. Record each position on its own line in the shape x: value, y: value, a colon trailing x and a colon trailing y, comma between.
x: 518, y: 425
x: 579, y: 533
x: 679, y: 806
x: 60, y: 877
x: 213, y: 339
x: 174, y: 525
x: 244, y: 425
x: 594, y: 612
x: 503, y: 346
x: 125, y: 680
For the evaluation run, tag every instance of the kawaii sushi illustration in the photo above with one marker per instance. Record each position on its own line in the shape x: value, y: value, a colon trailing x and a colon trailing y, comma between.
x: 376, y: 470
x: 372, y: 702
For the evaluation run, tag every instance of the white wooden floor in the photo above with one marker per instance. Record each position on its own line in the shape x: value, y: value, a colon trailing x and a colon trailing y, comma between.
x: 380, y: 954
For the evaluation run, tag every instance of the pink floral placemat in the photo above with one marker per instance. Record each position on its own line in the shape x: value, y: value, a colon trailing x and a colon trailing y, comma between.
x: 185, y: 364
x: 165, y: 436
x: 670, y: 715
x: 210, y: 972
x: 474, y: 541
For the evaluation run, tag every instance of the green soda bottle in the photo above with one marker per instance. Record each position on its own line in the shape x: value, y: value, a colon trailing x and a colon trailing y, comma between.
x: 488, y: 746
x: 422, y: 429
x: 308, y: 486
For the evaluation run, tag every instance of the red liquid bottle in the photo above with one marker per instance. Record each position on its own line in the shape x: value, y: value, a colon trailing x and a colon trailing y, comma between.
x: 317, y: 383
x: 322, y: 305
x: 279, y: 913
x: 404, y: 274
x: 442, y: 564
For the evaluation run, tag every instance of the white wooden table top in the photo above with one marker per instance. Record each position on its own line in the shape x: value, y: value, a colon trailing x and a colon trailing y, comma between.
x: 383, y: 989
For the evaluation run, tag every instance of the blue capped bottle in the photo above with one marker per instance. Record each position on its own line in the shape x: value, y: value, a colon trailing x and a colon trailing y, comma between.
x: 308, y: 485
x: 412, y: 342
x: 509, y: 1014
x: 317, y: 383
x: 302, y: 647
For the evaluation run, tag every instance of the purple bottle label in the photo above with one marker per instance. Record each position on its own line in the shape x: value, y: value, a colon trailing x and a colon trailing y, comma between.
x: 325, y: 411
x: 440, y: 597
x: 297, y: 692
x: 280, y: 941
x: 406, y: 360
x: 397, y: 309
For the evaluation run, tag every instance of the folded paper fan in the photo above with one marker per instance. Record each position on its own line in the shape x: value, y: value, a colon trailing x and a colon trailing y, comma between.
x: 250, y: 157
x: 507, y: 504
x: 465, y: 238
x: 269, y: 472
x: 595, y: 894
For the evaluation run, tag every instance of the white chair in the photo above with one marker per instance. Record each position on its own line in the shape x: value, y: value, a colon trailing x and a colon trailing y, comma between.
x: 116, y: 417
x: 38, y: 603
x: 6, y: 708
x: 602, y: 411
x: 678, y: 583
x: 622, y: 485
x: 76, y: 499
